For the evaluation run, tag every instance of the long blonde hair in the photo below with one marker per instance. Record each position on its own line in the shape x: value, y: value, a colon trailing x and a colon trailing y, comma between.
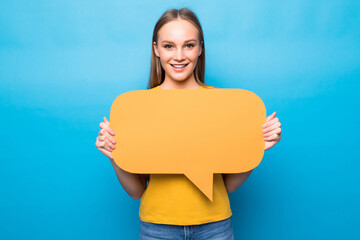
x: 157, y: 73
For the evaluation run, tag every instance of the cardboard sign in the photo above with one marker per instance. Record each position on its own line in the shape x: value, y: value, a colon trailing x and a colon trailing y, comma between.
x: 188, y: 131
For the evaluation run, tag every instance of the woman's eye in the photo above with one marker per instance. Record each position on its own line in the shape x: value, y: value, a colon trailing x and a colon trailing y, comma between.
x: 190, y: 45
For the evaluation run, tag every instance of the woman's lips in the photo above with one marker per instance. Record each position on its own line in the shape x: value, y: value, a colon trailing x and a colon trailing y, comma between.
x: 179, y: 68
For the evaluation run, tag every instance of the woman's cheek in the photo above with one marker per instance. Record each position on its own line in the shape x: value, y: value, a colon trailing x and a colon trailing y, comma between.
x: 194, y: 55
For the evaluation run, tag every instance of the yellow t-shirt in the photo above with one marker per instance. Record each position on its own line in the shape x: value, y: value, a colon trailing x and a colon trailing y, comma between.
x: 174, y: 199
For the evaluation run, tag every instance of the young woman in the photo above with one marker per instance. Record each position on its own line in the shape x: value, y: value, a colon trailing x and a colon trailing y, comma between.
x: 171, y: 206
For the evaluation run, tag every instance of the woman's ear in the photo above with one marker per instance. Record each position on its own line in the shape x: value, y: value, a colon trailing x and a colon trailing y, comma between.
x: 155, y: 49
x: 201, y: 47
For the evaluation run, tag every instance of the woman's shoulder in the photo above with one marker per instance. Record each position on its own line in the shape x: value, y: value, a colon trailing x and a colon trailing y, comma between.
x: 156, y: 87
x: 208, y: 86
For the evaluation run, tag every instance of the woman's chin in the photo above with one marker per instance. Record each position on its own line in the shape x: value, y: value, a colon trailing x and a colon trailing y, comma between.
x: 180, y: 78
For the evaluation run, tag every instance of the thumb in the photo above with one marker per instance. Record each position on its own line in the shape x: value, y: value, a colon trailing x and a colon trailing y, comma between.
x: 106, y: 121
x: 272, y: 116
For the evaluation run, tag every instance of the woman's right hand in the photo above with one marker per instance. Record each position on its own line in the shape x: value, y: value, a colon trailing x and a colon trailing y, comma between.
x: 105, y: 142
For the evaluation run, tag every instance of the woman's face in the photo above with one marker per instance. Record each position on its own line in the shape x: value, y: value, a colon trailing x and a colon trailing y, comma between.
x: 178, y: 47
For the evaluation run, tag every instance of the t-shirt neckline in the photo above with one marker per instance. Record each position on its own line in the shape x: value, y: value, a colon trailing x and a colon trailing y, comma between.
x: 178, y: 89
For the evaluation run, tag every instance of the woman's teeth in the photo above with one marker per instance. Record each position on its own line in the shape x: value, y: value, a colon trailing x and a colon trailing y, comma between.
x: 178, y: 65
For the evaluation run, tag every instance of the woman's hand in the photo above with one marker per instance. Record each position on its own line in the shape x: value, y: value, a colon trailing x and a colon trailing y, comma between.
x: 105, y: 142
x: 271, y: 131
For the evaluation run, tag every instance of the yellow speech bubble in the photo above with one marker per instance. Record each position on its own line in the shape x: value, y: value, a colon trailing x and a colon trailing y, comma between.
x: 187, y: 131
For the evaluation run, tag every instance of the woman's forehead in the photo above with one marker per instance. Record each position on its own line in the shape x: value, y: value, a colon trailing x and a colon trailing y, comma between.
x: 178, y: 31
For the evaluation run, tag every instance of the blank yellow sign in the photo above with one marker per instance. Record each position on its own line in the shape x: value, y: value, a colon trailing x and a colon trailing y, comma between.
x: 196, y: 133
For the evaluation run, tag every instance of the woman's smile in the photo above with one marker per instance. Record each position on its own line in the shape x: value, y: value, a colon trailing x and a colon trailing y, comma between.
x: 179, y: 67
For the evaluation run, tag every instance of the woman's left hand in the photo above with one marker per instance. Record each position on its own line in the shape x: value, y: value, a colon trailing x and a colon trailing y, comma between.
x: 271, y: 131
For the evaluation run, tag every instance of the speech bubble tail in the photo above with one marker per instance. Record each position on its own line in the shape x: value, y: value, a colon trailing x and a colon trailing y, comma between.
x: 204, y: 181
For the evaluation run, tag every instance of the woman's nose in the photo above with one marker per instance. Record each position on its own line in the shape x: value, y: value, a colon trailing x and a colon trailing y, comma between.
x: 179, y: 55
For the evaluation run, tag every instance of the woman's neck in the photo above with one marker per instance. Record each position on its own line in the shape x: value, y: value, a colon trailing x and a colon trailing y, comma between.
x: 168, y: 85
x: 189, y: 83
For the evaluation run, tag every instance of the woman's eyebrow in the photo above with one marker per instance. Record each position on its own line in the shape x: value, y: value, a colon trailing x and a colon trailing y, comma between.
x: 185, y: 41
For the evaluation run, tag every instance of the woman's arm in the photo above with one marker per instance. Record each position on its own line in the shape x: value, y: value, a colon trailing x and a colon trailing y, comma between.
x: 233, y: 181
x: 272, y: 135
x: 133, y: 184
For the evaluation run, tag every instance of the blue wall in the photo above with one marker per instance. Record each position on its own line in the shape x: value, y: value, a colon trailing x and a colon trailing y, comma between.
x: 62, y: 63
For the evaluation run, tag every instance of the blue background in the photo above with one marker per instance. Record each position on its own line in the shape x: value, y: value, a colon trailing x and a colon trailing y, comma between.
x: 62, y: 63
